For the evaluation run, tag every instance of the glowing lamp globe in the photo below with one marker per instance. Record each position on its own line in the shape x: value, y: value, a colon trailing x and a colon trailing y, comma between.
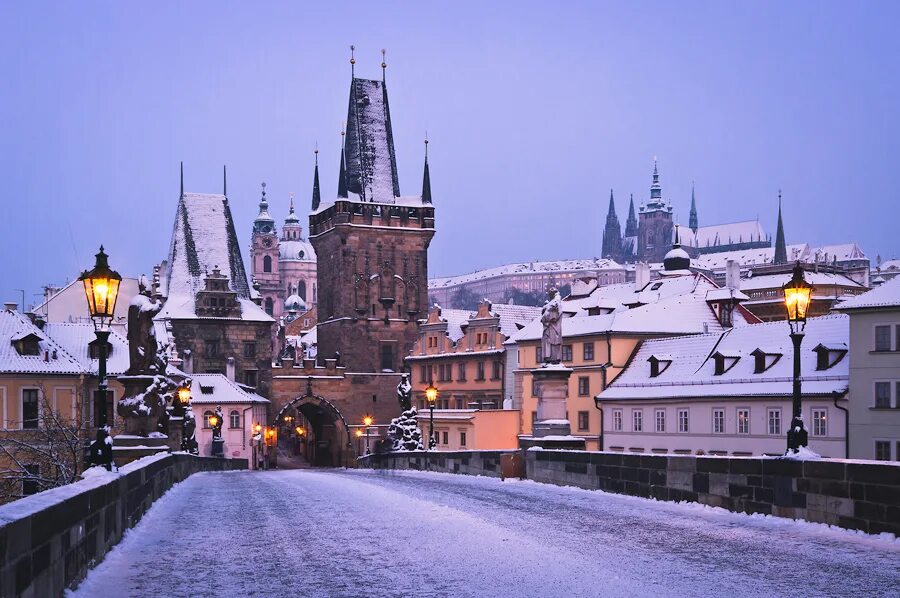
x: 367, y: 420
x: 184, y: 394
x: 431, y: 394
x: 797, y: 294
x: 359, y: 433
x: 101, y: 287
x: 213, y: 421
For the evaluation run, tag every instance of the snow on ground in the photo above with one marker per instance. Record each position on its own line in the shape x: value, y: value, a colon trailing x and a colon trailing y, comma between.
x: 358, y: 532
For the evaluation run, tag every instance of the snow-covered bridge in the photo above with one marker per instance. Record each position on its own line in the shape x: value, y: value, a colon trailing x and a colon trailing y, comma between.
x: 353, y: 533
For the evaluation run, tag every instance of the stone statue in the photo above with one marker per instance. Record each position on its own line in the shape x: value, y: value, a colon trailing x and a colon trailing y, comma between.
x: 142, y: 347
x: 220, y: 418
x: 551, y: 318
x: 404, y: 392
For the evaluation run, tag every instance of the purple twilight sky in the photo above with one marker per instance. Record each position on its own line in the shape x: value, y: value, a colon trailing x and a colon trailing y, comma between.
x: 534, y: 110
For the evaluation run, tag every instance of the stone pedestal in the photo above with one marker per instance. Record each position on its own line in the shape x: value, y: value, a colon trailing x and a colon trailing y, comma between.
x: 128, y: 448
x: 552, y: 428
x: 218, y: 447
x: 136, y: 407
x: 175, y: 432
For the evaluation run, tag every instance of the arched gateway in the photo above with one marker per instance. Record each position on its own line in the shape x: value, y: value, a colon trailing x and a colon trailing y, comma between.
x: 327, y: 438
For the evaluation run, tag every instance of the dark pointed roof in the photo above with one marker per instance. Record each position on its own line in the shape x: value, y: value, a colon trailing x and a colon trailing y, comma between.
x: 694, y: 222
x: 780, y: 245
x: 426, y: 184
x: 316, y: 194
x: 656, y: 201
x: 631, y: 225
x: 371, y: 165
x: 611, y: 212
x: 342, y: 177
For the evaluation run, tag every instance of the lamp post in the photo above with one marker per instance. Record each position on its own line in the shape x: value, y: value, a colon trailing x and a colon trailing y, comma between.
x: 183, y: 397
x: 431, y: 395
x: 101, y: 287
x: 367, y: 421
x: 796, y: 300
x: 359, y: 434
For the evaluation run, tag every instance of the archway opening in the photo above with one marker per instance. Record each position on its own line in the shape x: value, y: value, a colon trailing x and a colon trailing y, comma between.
x: 324, y: 440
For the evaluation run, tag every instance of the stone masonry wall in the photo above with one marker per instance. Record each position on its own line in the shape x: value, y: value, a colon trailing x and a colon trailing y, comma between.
x: 48, y: 541
x: 486, y: 463
x: 862, y: 495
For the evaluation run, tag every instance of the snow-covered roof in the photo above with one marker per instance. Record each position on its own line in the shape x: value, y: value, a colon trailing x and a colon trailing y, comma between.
x: 817, y: 279
x: 369, y: 143
x: 512, y: 318
x: 218, y: 389
x: 76, y: 338
x: 843, y: 252
x: 886, y: 294
x: 748, y: 257
x: 726, y: 234
x: 890, y: 265
x: 692, y: 371
x: 52, y: 358
x: 296, y: 251
x: 586, y: 266
x: 675, y: 305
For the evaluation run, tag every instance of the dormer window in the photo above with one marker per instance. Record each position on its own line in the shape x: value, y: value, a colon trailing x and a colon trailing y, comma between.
x: 763, y: 360
x: 724, y: 361
x: 827, y: 356
x: 659, y: 364
x: 27, y: 343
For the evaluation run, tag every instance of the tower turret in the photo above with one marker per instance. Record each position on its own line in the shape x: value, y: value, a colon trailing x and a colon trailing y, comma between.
x: 780, y: 245
x: 631, y: 225
x: 264, y: 222
x: 693, y: 223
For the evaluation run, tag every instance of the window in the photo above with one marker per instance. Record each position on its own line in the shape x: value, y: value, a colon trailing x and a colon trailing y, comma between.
x: 820, y: 422
x: 534, y: 417
x: 534, y: 387
x: 212, y: 348
x: 458, y: 403
x: 584, y: 386
x: 589, y: 351
x: 583, y: 420
x: 882, y: 450
x: 446, y: 436
x: 461, y: 372
x: 250, y: 378
x: 567, y: 352
x: 462, y: 439
x: 479, y: 371
x: 234, y: 419
x: 301, y: 288
x: 617, y: 420
x: 882, y: 395
x: 743, y: 421
x: 882, y: 338
x: 682, y: 420
x: 774, y: 422
x: 32, y: 486
x: 30, y: 410
x: 387, y: 356
x: 270, y: 306
x: 206, y: 416
x: 637, y: 420
x: 249, y: 350
x: 423, y: 373
x: 718, y: 421
x: 538, y: 355
x: 660, y: 418
x: 495, y: 371
x: 267, y: 263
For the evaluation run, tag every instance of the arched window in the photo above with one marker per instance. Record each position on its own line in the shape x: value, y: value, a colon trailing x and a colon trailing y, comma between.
x: 235, y: 419
x: 301, y: 289
x: 267, y: 263
x: 270, y: 306
x: 206, y: 416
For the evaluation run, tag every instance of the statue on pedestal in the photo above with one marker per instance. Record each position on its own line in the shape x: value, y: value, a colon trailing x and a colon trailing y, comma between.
x: 551, y: 318
x: 142, y: 346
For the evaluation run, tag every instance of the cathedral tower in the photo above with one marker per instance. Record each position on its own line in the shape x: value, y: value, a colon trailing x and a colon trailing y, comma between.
x: 612, y: 233
x: 264, y: 257
x: 655, y: 224
x: 371, y: 245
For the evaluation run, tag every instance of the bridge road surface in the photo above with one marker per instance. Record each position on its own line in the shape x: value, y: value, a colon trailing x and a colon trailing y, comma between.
x: 365, y: 533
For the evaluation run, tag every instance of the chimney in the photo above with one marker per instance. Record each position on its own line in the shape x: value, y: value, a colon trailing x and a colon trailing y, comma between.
x: 187, y: 363
x: 10, y: 306
x: 732, y: 275
x: 641, y: 275
x: 229, y: 368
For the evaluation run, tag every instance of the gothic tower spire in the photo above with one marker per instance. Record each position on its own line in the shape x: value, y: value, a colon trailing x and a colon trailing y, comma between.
x: 612, y: 233
x: 780, y: 246
x: 426, y: 177
x: 316, y: 195
x: 225, y: 180
x: 342, y: 175
x: 631, y: 225
x: 693, y: 224
x: 182, y: 180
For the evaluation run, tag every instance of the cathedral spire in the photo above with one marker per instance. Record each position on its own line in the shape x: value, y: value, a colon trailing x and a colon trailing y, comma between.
x: 655, y: 188
x: 225, y: 180
x: 426, y: 177
x: 780, y: 246
x: 612, y: 233
x: 316, y: 195
x: 631, y: 225
x: 342, y: 175
x: 383, y: 65
x: 182, y: 179
x: 693, y: 223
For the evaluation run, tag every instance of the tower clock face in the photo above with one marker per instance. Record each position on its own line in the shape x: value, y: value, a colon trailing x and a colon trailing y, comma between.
x: 267, y: 242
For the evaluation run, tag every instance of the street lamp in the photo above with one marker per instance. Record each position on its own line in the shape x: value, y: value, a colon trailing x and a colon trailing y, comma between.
x: 796, y: 300
x: 182, y: 398
x: 431, y: 395
x: 368, y: 420
x: 101, y: 288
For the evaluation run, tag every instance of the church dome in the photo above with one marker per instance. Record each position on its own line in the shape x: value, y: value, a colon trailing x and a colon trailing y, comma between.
x: 677, y: 259
x: 295, y: 302
x: 297, y: 251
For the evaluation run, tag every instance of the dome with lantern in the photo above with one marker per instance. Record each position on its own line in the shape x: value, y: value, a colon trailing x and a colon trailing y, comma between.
x: 294, y: 303
x: 677, y: 261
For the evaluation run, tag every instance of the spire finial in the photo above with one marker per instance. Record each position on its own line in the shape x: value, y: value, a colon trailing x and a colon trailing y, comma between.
x: 263, y: 191
x: 182, y: 179
x: 426, y: 145
x: 316, y: 152
x: 225, y: 180
x: 292, y: 202
x: 352, y: 61
x: 383, y: 63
